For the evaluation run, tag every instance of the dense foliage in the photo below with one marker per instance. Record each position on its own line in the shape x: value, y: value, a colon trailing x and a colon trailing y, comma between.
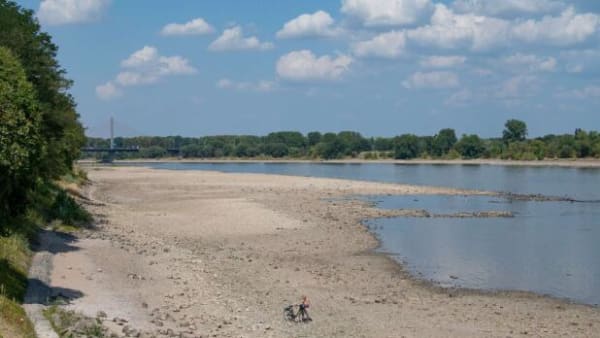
x: 348, y: 144
x: 40, y: 135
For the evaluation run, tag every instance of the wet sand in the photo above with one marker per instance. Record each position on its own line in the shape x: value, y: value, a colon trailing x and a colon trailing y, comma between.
x: 201, y: 253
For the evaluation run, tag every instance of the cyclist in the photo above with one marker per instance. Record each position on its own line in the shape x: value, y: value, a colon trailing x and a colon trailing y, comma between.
x: 304, y: 305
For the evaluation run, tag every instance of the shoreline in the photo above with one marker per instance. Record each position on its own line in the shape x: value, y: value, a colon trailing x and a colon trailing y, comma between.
x: 568, y: 163
x: 263, y: 252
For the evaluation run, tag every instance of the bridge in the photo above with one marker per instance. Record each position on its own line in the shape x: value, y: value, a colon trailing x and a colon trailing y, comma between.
x: 112, y: 150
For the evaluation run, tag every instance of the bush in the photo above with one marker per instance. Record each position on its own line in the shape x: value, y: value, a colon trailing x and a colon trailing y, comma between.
x: 68, y: 211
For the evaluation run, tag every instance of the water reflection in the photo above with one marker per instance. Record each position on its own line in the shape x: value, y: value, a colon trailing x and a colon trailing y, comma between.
x: 548, y: 248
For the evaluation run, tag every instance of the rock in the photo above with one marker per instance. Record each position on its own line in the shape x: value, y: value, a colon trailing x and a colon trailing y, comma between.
x: 101, y: 314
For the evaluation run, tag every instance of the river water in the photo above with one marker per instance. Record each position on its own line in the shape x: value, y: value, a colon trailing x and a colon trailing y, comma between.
x: 550, y: 248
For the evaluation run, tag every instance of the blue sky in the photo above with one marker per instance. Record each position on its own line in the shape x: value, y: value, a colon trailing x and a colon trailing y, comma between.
x: 380, y: 67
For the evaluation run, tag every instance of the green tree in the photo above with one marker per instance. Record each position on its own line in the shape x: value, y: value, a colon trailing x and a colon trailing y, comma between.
x: 406, y: 146
x: 60, y: 127
x: 470, y: 146
x: 20, y: 142
x: 153, y: 152
x: 514, y: 131
x: 314, y: 137
x: 443, y: 142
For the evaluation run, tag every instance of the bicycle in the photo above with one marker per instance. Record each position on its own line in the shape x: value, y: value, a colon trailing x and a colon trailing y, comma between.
x: 300, y: 316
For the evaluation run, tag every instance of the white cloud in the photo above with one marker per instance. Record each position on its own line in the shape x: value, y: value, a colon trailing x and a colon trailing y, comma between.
x: 145, y: 66
x: 532, y: 62
x: 108, y: 91
x: 517, y: 87
x: 436, y: 80
x: 460, y: 98
x: 584, y: 93
x: 501, y: 7
x: 567, y: 29
x: 386, y: 45
x: 260, y: 86
x: 194, y: 27
x: 233, y: 39
x: 141, y: 57
x: 449, y: 30
x: 61, y: 12
x: 303, y: 65
x: 318, y: 24
x: 442, y: 61
x: 386, y: 12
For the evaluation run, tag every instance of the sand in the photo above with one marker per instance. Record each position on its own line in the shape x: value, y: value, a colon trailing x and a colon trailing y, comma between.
x: 197, y: 253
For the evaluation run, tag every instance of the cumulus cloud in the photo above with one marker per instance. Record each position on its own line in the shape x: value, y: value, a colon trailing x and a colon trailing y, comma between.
x: 260, y: 86
x: 449, y: 30
x: 373, y: 13
x: 435, y: 80
x: 145, y: 66
x: 61, y: 12
x: 532, y: 62
x: 194, y: 27
x: 303, y: 65
x: 385, y: 45
x: 507, y: 7
x: 442, y: 61
x: 318, y: 24
x: 567, y: 29
x: 233, y: 39
x: 108, y: 91
x: 516, y: 87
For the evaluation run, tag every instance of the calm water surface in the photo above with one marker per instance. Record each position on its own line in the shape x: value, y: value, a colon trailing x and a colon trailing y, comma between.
x: 579, y: 183
x: 548, y: 247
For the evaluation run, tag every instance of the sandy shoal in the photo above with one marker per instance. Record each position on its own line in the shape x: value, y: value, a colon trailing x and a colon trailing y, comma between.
x: 212, y: 254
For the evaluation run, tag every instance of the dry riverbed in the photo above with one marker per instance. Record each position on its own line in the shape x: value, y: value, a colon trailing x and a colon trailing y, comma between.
x: 195, y: 253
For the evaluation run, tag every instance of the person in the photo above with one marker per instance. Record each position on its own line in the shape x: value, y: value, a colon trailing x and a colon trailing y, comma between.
x: 304, y: 305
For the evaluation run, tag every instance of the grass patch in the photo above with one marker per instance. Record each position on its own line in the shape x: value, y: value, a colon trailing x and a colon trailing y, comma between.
x: 71, y: 324
x: 15, y: 257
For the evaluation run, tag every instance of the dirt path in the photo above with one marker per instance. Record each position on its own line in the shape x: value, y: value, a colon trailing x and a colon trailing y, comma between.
x: 213, y: 254
x: 38, y: 288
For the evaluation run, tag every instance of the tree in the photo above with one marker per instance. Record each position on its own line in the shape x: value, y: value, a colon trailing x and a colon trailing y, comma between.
x: 153, y: 152
x: 406, y: 146
x: 20, y: 142
x: 443, y: 142
x: 314, y: 137
x: 276, y: 149
x: 353, y: 142
x: 514, y: 131
x: 60, y: 127
x: 470, y: 146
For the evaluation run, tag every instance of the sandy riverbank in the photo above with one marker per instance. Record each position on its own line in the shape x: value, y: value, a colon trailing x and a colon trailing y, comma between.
x: 574, y: 163
x: 207, y: 253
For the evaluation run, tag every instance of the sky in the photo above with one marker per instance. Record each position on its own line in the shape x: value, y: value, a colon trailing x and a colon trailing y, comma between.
x: 380, y: 67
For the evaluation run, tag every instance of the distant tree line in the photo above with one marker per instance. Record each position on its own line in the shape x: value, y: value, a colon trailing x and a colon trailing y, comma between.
x: 40, y: 135
x: 513, y: 145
